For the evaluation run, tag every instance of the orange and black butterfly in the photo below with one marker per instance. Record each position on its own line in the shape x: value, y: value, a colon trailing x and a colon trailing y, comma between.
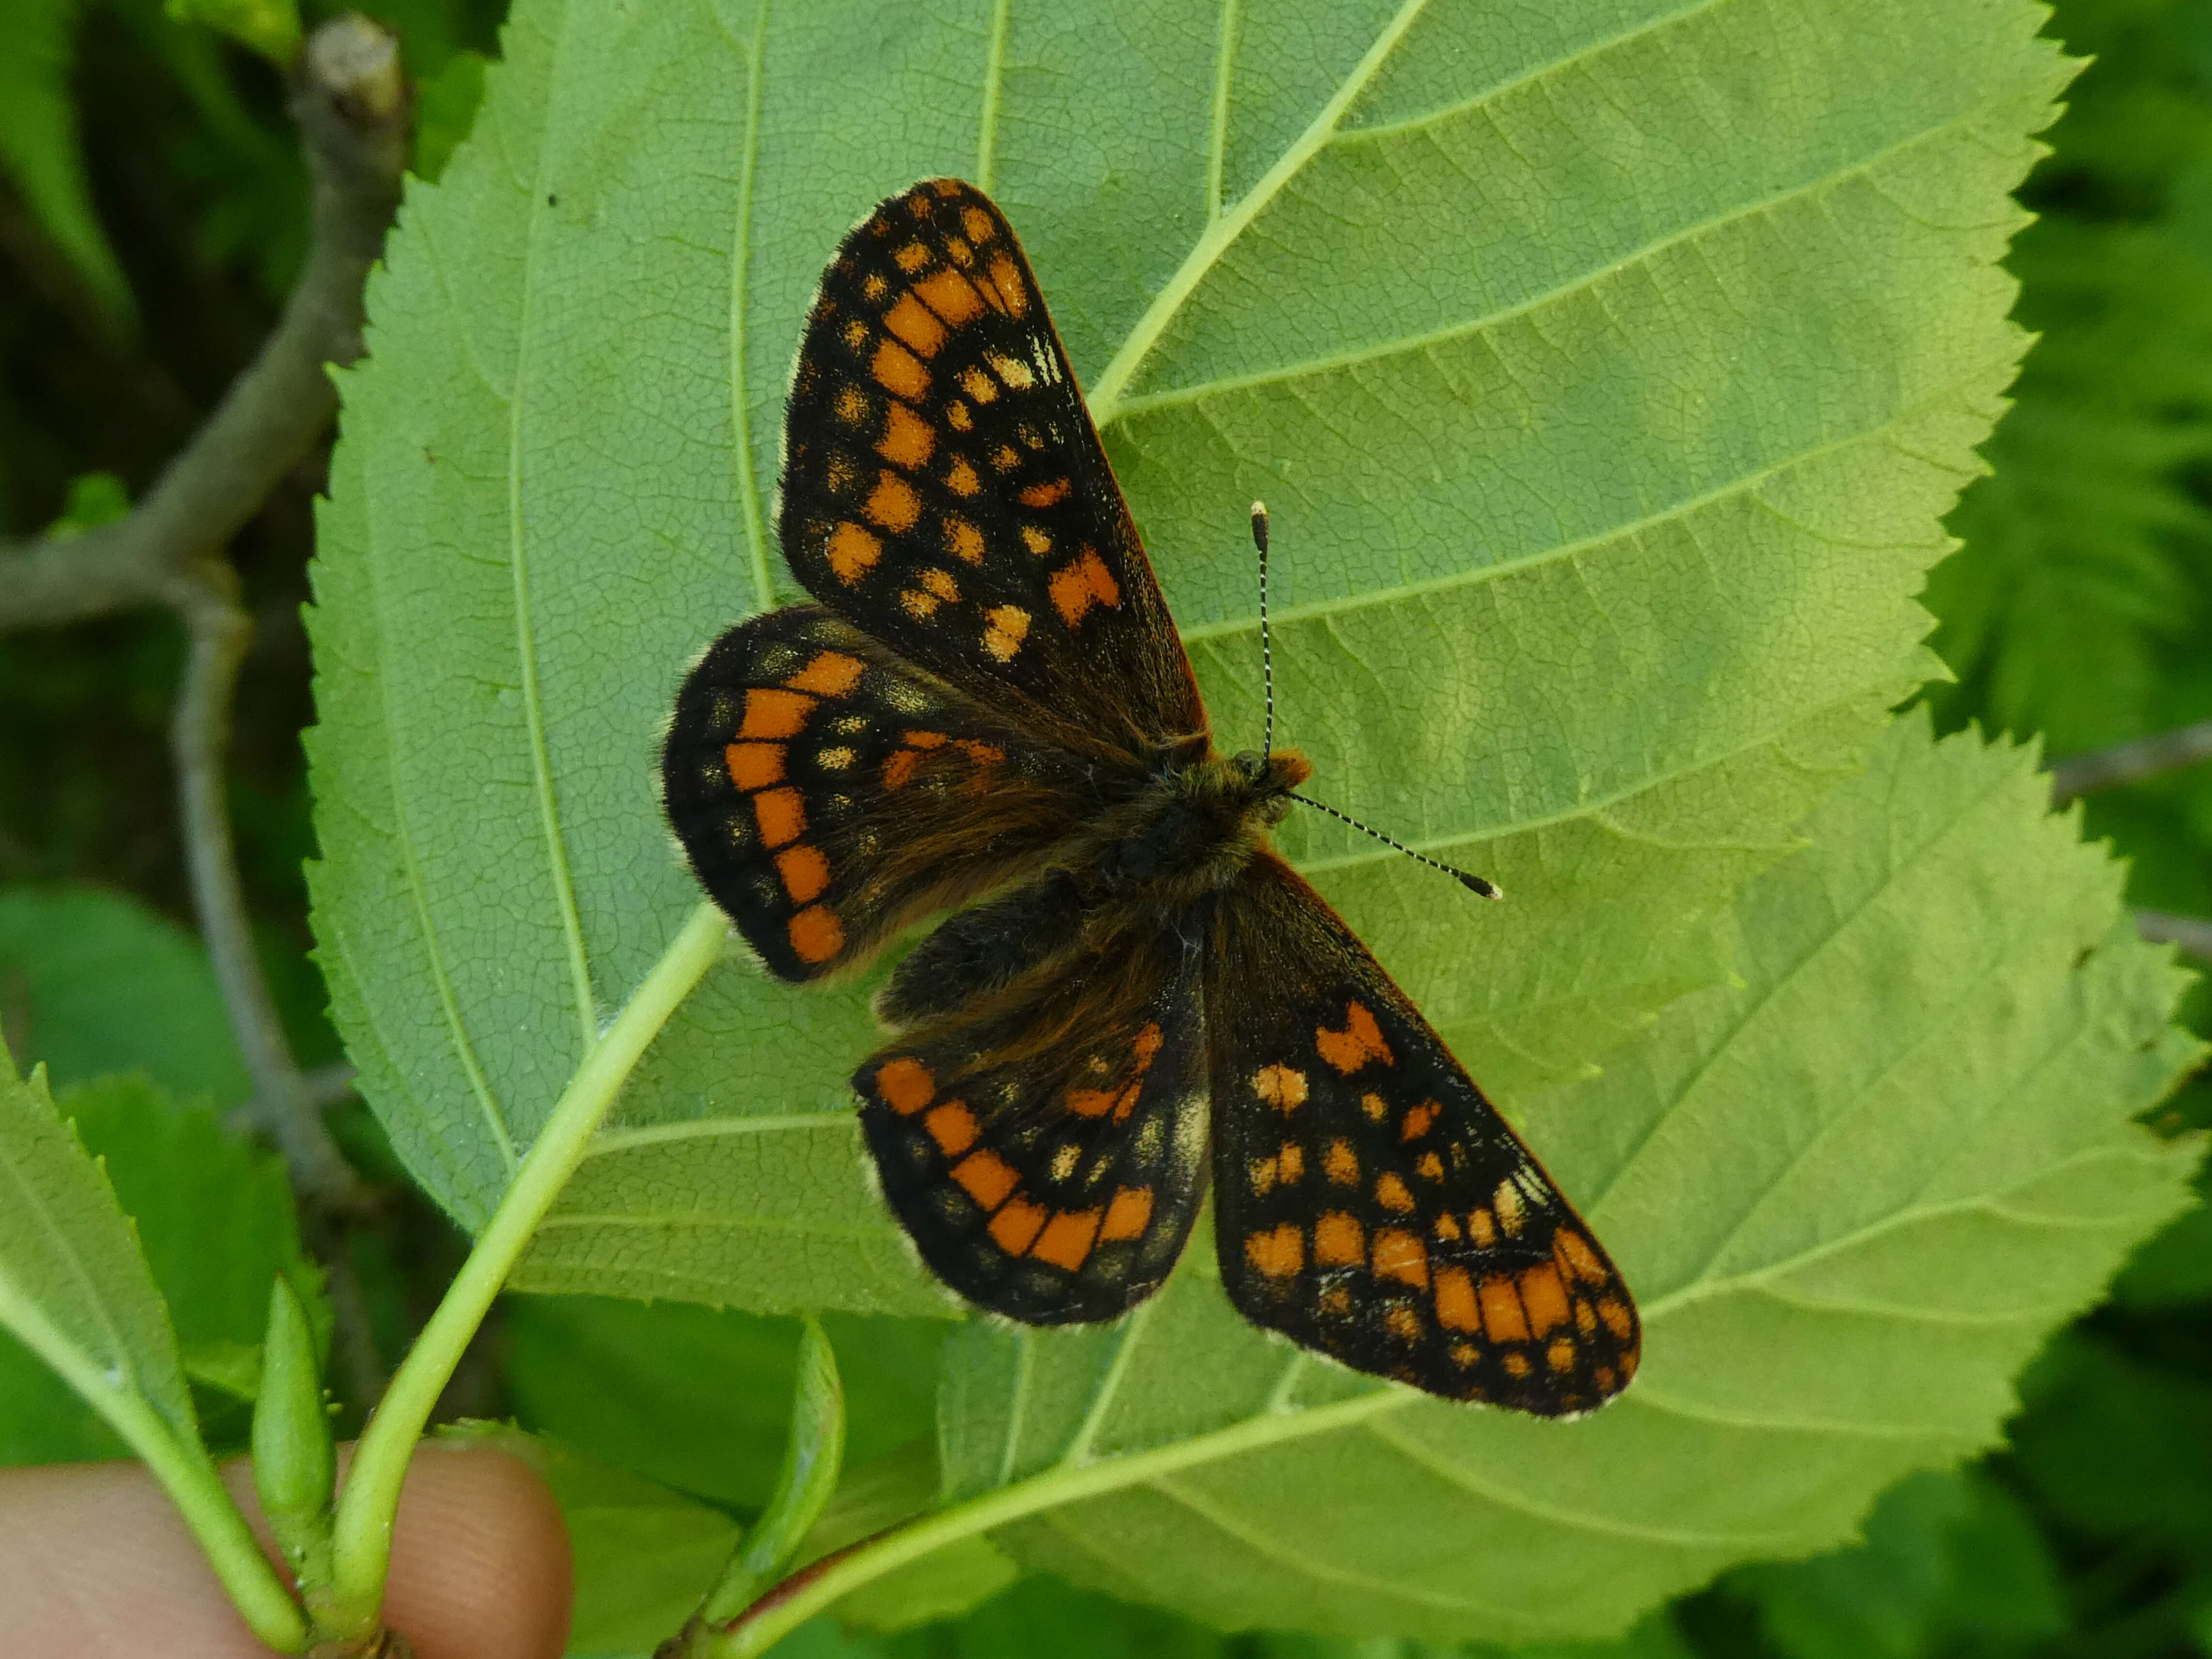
x: 989, y: 712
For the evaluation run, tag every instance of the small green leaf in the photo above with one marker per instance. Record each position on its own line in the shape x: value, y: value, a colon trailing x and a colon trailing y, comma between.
x: 75, y: 1290
x: 40, y: 149
x: 295, y: 1463
x: 270, y: 27
x: 93, y: 982
x: 445, y: 109
x: 813, y: 1455
x: 94, y: 499
x: 214, y: 1219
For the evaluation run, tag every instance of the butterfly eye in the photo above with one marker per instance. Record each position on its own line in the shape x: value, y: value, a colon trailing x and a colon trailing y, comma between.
x: 1251, y: 764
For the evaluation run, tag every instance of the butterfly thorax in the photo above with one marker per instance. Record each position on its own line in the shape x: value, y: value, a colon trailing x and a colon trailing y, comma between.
x: 1193, y: 826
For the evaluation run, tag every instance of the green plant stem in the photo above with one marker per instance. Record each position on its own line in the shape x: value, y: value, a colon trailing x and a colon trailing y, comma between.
x: 813, y: 1588
x: 185, y: 1473
x: 361, y: 1550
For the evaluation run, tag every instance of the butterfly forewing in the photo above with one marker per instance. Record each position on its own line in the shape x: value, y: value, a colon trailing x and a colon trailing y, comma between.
x: 1370, y: 1202
x: 1048, y: 1156
x: 943, y: 486
x: 826, y: 791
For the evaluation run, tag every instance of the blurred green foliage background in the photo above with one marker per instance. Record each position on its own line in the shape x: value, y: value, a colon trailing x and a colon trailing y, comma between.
x: 152, y: 214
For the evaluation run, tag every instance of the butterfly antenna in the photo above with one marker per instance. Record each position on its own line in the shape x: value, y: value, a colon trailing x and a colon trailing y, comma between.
x: 1489, y: 889
x: 1266, y: 652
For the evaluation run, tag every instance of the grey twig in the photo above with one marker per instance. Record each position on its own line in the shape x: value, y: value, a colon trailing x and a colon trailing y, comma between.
x: 2125, y: 762
x: 2190, y: 935
x: 350, y: 104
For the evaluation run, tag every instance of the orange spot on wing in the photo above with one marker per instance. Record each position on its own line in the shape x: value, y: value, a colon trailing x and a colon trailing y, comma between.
x: 1358, y: 1042
x: 1560, y: 1355
x: 1481, y: 1229
x: 1446, y: 1227
x: 1390, y: 1193
x: 1004, y: 630
x: 803, y: 872
x: 1016, y: 1225
x: 1090, y: 1102
x: 1456, y: 1308
x: 1066, y: 1239
x: 1517, y: 1364
x: 1501, y: 1310
x: 906, y: 439
x: 1278, y: 1253
x: 1545, y: 1298
x: 906, y: 1085
x: 1403, y: 1322
x: 816, y: 935
x: 923, y: 739
x: 1045, y: 495
x: 979, y: 227
x: 900, y: 767
x: 985, y: 1176
x: 1341, y: 1164
x: 853, y: 552
x: 1375, y: 1106
x: 915, y: 324
x: 831, y: 674
x: 1399, y: 1255
x: 960, y: 477
x: 963, y: 540
x: 1080, y: 584
x: 1146, y: 1043
x: 950, y: 295
x: 1008, y: 281
x: 770, y: 712
x: 899, y: 370
x: 952, y: 1126
x: 1339, y: 1240
x: 979, y: 385
x: 1036, y: 540
x: 893, y: 504
x: 755, y: 765
x: 1129, y: 1213
x: 852, y: 405
x: 913, y: 257
x: 1580, y: 1260
x: 1279, y: 1085
x: 1418, y: 1119
x: 1616, y: 1317
x: 782, y: 816
x: 1430, y: 1167
x: 1291, y: 1162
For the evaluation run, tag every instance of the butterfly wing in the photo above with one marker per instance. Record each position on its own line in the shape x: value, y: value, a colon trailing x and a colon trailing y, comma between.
x: 944, y: 489
x: 1370, y: 1204
x: 826, y: 793
x: 1046, y: 1154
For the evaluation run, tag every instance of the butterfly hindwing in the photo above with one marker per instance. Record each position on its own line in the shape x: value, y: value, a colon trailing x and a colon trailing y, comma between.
x: 826, y: 793
x: 943, y: 486
x: 1370, y: 1204
x: 1048, y: 1154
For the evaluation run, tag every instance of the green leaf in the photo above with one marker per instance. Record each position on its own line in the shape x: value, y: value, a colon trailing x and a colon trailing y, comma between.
x: 1853, y: 1194
x: 1607, y: 373
x: 213, y: 1220
x: 1947, y: 1556
x: 75, y: 1286
x: 93, y: 982
x: 700, y: 1399
x: 445, y: 109
x: 40, y: 149
x: 94, y: 499
x: 75, y: 1290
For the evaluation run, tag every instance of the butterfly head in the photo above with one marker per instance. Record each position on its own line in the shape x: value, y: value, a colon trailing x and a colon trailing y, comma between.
x: 1269, y: 779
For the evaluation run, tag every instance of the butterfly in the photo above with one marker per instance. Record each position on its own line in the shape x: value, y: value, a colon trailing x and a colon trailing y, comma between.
x: 987, y: 712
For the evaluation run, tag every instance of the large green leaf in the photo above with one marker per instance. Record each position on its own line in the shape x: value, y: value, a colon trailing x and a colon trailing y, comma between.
x: 1608, y: 367
x: 1853, y: 1194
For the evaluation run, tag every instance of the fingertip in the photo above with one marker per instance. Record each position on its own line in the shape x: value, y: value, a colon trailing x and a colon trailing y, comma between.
x: 480, y: 1560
